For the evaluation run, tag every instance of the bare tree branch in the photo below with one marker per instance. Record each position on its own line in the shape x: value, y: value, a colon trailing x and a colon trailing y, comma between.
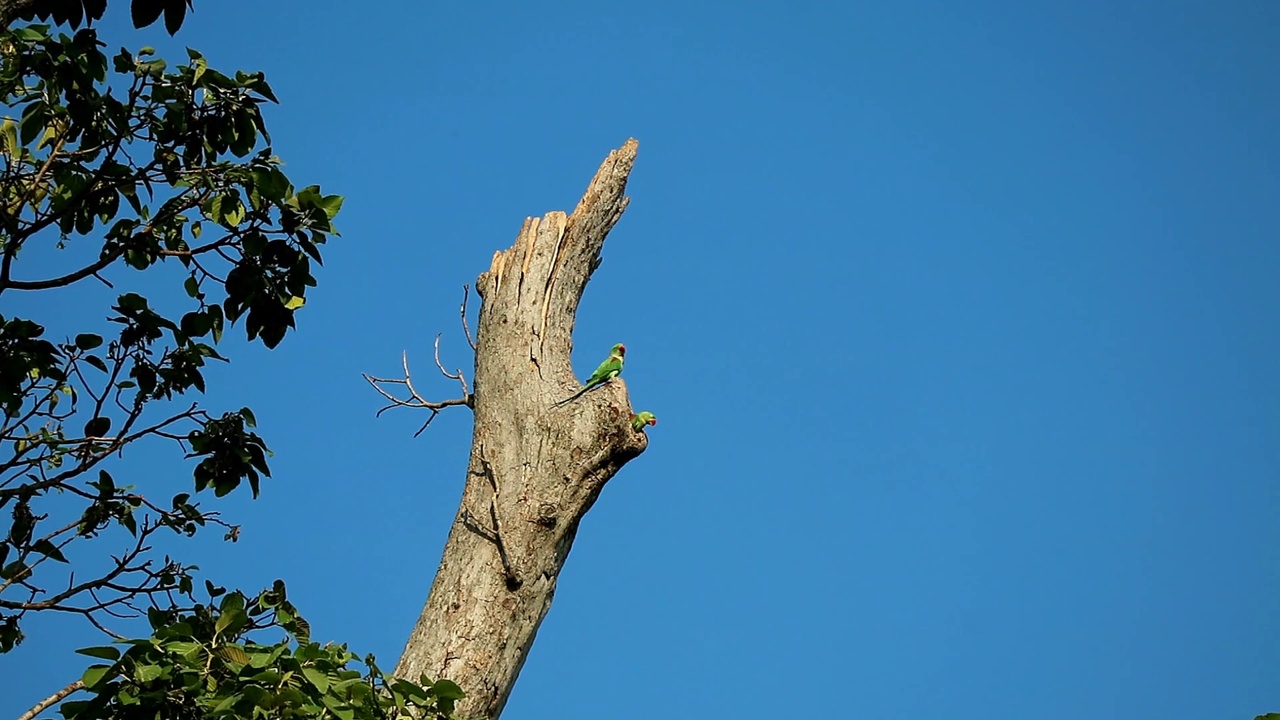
x: 456, y: 375
x: 51, y: 700
x: 124, y: 437
x: 415, y: 400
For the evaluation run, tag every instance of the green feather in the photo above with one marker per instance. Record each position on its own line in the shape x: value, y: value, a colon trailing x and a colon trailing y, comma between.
x: 608, y: 370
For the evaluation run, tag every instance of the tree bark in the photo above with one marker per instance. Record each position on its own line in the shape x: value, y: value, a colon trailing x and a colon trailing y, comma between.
x: 535, y: 469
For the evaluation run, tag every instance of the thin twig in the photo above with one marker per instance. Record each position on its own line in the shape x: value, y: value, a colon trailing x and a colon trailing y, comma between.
x: 463, y: 312
x: 122, y: 567
x: 105, y: 630
x: 123, y: 438
x: 457, y: 375
x: 415, y: 399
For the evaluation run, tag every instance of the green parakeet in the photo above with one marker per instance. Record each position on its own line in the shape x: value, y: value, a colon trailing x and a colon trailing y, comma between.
x: 645, y: 418
x: 608, y: 370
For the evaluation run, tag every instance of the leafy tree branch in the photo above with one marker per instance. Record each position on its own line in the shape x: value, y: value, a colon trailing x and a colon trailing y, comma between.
x: 127, y: 164
x: 149, y: 164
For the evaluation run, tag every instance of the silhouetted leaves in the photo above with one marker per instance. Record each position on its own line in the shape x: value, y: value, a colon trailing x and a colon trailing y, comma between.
x: 74, y: 12
x: 24, y: 357
x: 97, y: 427
x: 185, y: 123
x: 187, y: 151
x: 230, y: 453
x: 139, y: 163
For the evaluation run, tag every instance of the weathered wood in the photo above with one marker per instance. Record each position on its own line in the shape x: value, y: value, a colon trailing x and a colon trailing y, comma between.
x: 535, y: 470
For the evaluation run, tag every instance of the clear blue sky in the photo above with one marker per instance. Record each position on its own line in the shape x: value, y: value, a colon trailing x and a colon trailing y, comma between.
x: 960, y: 319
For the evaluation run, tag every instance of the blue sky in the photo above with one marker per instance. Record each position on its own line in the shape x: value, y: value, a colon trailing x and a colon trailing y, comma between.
x: 960, y: 320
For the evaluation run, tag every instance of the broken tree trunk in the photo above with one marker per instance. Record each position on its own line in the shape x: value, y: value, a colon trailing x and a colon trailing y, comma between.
x: 535, y: 469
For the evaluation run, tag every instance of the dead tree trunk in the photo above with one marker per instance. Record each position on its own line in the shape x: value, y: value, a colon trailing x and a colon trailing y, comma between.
x: 535, y: 469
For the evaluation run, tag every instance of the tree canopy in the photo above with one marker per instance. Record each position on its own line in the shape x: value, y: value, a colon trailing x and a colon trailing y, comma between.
x: 127, y: 164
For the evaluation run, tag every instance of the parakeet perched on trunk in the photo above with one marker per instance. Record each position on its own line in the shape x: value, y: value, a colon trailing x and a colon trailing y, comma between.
x: 645, y: 418
x: 608, y: 370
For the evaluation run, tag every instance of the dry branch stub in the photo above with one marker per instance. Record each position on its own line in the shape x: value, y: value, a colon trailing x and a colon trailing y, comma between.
x: 535, y: 469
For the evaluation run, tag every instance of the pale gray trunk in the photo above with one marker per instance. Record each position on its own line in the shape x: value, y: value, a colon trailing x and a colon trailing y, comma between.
x: 535, y: 469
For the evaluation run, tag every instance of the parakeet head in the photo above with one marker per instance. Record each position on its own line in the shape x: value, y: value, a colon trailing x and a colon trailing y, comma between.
x: 620, y: 350
x: 639, y: 420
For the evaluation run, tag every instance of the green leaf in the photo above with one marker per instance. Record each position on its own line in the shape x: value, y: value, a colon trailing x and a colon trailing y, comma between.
x: 102, y: 652
x: 174, y: 12
x: 212, y: 208
x: 288, y: 696
x: 215, y: 312
x: 196, y: 324
x: 9, y: 133
x: 32, y: 34
x: 124, y: 62
x: 225, y: 705
x: 271, y: 184
x: 317, y: 678
x: 233, y: 653
x: 46, y: 547
x: 88, y: 341
x: 144, y: 13
x: 186, y: 649
x: 311, y: 250
x: 96, y: 361
x: 235, y: 214
x: 133, y: 301
x: 254, y: 243
x: 97, y: 427
x: 95, y: 674
x: 233, y: 620
x: 249, y: 419
x: 154, y: 68
x: 192, y: 286
x: 33, y: 121
x: 49, y: 134
x: 331, y: 204
x: 259, y: 85
x: 232, y: 602
x: 339, y: 708
x: 147, y: 673
x: 71, y: 708
x: 447, y: 690
x: 302, y: 629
